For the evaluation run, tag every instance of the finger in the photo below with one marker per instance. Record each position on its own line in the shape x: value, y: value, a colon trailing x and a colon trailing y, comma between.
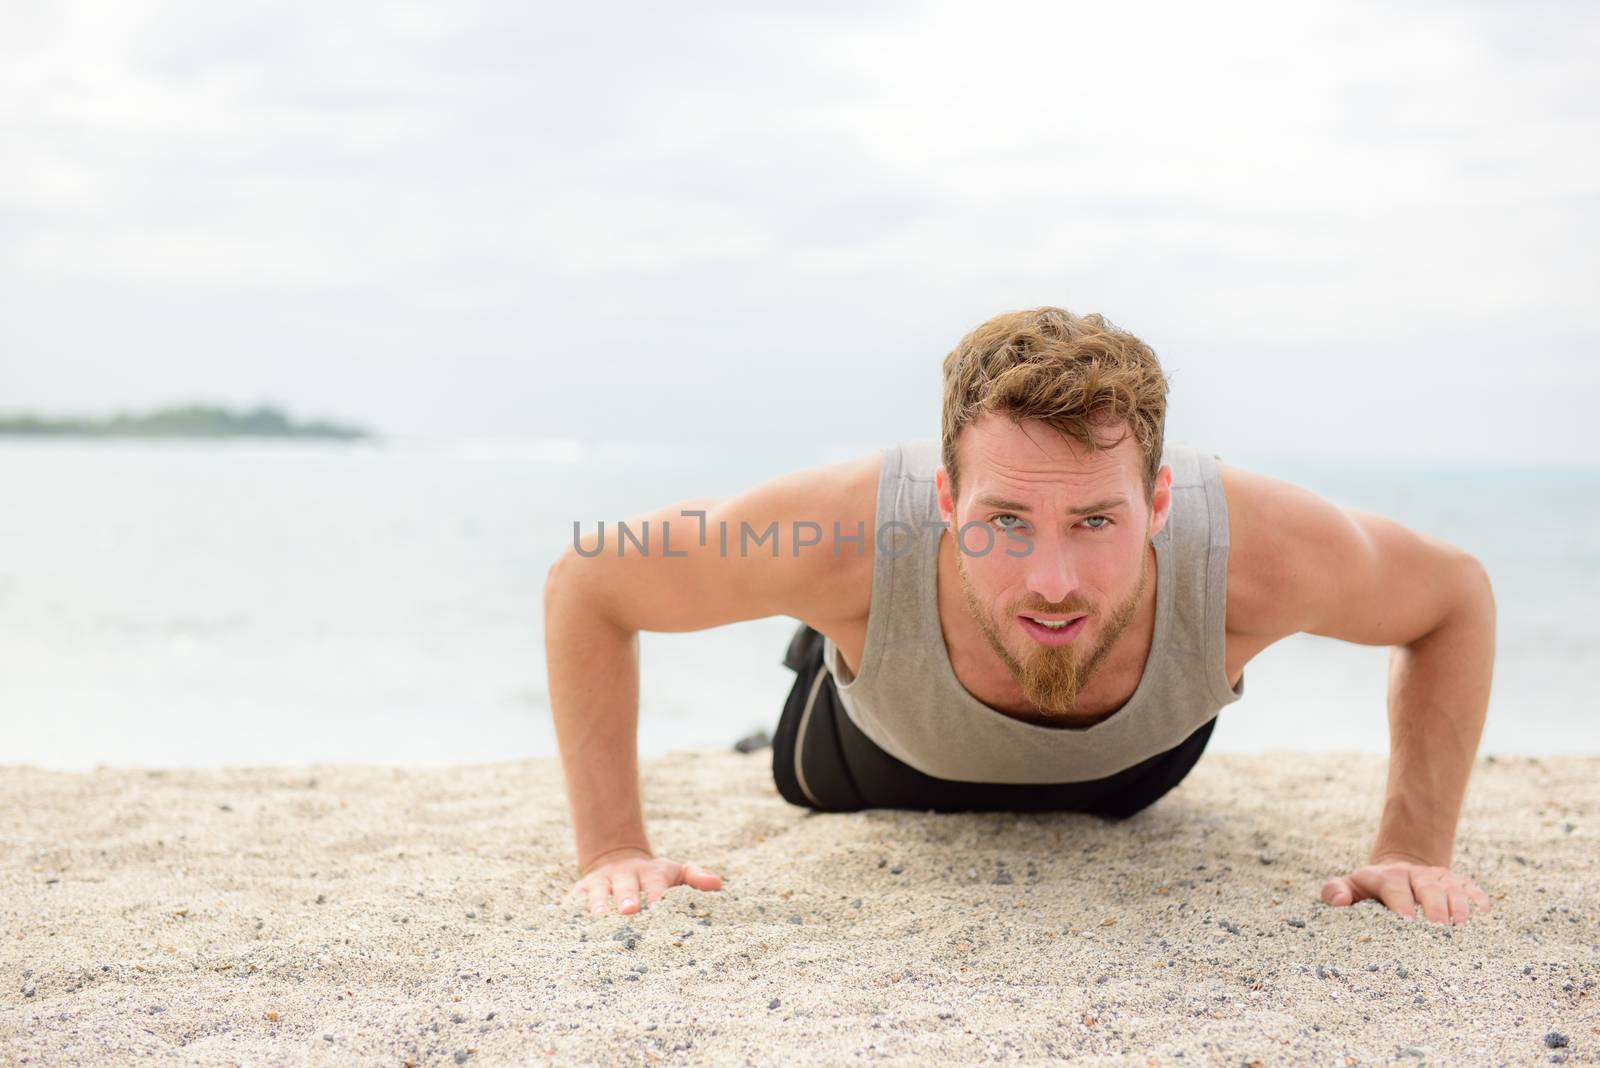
x: 696, y: 876
x: 1433, y: 897
x: 1338, y: 891
x: 653, y: 884
x: 1393, y: 888
x: 599, y: 892
x: 1460, y: 905
x: 625, y: 886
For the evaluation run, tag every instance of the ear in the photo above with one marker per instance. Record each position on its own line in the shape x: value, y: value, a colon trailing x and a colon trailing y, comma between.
x: 947, y: 504
x: 1161, y: 500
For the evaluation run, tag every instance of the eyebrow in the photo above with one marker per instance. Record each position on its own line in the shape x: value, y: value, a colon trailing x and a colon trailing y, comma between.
x: 991, y: 501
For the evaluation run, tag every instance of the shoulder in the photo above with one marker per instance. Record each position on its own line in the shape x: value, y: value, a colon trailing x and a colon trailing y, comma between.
x: 1298, y: 562
x: 1282, y: 541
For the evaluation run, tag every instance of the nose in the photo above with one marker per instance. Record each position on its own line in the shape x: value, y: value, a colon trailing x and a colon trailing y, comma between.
x: 1051, y: 573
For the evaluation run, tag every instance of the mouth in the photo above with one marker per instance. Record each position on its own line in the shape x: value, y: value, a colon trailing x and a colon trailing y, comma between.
x: 1053, y: 630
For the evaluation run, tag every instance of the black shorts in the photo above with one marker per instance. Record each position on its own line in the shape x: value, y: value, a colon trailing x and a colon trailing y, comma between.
x: 845, y: 771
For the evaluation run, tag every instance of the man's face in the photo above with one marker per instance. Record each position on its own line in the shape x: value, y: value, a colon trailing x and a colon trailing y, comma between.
x: 1081, y: 518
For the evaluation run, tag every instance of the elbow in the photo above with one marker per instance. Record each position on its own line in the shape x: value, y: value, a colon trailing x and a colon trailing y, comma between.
x: 559, y: 577
x: 556, y: 570
x: 573, y: 582
x: 1477, y: 590
x: 569, y: 565
x: 1478, y: 576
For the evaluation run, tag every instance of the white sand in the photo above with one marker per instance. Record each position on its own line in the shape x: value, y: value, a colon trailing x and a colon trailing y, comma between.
x: 248, y: 916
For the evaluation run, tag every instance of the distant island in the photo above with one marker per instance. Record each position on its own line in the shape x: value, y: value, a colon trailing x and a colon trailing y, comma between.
x: 191, y: 421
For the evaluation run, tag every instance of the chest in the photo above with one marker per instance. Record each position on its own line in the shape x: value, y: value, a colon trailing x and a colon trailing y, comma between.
x: 1107, y: 693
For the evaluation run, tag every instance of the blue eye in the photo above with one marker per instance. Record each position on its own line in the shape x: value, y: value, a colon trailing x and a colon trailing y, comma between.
x: 1007, y: 515
x: 1104, y: 519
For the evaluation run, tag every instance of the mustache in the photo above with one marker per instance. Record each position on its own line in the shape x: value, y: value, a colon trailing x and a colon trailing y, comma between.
x: 1065, y: 608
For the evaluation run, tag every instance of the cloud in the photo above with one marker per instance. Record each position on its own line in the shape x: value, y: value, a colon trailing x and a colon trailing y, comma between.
x: 638, y: 223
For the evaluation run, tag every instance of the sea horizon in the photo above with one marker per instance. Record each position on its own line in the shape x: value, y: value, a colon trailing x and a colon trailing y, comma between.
x: 200, y: 603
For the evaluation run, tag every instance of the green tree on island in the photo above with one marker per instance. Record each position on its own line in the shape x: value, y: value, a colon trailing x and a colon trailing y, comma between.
x: 188, y: 421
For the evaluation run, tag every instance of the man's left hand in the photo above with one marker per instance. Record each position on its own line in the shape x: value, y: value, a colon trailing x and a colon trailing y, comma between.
x: 1402, y: 883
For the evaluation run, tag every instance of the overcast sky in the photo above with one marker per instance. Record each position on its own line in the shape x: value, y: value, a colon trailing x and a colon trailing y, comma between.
x: 1347, y: 231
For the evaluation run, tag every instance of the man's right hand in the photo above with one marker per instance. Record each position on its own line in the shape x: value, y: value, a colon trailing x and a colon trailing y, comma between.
x: 627, y: 874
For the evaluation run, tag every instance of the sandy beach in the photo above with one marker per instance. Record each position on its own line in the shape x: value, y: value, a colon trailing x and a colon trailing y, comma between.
x: 348, y: 914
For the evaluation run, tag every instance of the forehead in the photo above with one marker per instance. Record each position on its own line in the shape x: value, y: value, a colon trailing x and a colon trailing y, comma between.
x: 1031, y: 457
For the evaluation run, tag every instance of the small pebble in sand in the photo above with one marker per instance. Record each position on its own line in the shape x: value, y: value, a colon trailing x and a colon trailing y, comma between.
x: 896, y: 870
x: 471, y: 915
x: 1001, y: 878
x: 461, y: 1056
x: 750, y: 743
x: 1268, y: 858
x: 1555, y: 1040
x: 1402, y: 972
x: 1322, y: 973
x: 456, y: 1017
x: 774, y: 1003
x: 1296, y: 923
x: 796, y: 919
x: 856, y: 903
x: 1372, y: 967
x: 322, y: 899
x: 489, y: 1017
x: 327, y: 1036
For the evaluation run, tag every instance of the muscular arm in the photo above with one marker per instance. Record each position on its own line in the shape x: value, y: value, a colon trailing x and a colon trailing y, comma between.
x: 1298, y: 563
x: 596, y: 605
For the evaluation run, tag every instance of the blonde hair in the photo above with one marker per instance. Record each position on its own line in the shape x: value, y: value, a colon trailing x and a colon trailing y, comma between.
x: 1076, y: 373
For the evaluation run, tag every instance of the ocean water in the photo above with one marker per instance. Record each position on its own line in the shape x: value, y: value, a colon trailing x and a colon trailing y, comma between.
x: 245, y: 603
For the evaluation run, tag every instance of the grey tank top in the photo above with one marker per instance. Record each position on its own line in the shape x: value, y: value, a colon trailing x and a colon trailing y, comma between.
x: 906, y: 697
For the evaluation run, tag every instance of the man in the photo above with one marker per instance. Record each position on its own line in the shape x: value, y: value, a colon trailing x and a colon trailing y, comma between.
x: 1044, y: 611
